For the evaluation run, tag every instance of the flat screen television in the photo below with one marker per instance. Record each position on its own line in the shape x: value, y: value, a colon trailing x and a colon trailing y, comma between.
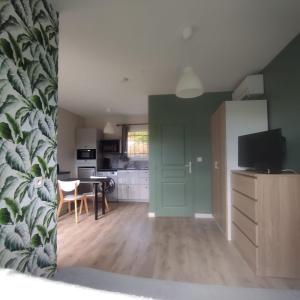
x: 263, y: 151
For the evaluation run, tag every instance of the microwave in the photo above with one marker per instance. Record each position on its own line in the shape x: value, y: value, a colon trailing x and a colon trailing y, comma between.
x: 110, y: 146
x: 85, y: 154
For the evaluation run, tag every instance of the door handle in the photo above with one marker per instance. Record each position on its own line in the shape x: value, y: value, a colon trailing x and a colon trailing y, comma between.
x: 216, y: 165
x: 189, y: 165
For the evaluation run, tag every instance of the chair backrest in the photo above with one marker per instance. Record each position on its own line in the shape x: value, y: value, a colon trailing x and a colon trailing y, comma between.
x: 68, y: 186
x: 85, y: 188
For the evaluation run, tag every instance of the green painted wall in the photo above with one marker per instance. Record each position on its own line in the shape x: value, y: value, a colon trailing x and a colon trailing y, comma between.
x: 28, y: 139
x: 282, y: 88
x: 164, y: 109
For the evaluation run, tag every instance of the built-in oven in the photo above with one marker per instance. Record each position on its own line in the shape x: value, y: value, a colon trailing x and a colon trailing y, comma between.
x: 85, y: 154
x: 110, y: 146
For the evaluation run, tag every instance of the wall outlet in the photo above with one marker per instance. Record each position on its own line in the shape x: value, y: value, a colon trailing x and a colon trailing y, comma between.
x: 38, y: 182
x: 200, y: 159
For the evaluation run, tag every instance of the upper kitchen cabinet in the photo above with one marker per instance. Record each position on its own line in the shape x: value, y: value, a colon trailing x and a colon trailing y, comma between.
x: 87, y: 138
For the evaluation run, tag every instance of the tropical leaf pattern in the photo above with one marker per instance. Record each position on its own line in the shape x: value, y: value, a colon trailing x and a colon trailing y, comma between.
x: 28, y: 135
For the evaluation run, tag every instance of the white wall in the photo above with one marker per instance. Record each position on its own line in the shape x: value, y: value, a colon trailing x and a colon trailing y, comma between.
x: 99, y: 122
x: 66, y: 152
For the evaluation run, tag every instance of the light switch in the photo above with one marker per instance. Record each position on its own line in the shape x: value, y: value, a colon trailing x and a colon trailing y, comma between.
x: 38, y: 182
x: 199, y: 159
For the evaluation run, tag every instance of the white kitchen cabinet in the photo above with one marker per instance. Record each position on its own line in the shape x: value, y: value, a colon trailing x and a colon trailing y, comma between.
x: 123, y: 177
x: 138, y: 192
x: 133, y: 192
x: 123, y: 192
x: 133, y: 185
x: 141, y: 192
x: 144, y: 192
x: 87, y: 138
x: 132, y: 178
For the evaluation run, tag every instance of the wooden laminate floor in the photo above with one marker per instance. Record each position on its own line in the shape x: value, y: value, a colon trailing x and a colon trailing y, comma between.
x: 126, y: 241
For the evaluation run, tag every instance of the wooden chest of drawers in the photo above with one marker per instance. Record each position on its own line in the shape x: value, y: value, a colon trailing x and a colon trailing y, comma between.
x: 266, y: 222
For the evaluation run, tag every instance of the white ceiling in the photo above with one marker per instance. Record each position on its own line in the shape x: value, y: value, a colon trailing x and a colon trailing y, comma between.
x: 103, y: 41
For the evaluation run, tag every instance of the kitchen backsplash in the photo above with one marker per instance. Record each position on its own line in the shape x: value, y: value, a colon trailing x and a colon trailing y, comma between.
x: 138, y: 164
x: 117, y: 163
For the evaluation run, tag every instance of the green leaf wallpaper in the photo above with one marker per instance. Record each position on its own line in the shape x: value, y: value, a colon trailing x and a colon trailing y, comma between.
x: 28, y: 135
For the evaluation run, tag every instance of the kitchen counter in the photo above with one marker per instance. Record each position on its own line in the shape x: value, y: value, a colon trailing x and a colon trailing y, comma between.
x: 131, y: 184
x: 62, y: 175
x: 134, y: 169
x: 63, y: 172
x: 122, y: 169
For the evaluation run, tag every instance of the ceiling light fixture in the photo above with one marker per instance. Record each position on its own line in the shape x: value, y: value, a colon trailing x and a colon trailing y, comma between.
x: 109, y: 129
x: 189, y: 84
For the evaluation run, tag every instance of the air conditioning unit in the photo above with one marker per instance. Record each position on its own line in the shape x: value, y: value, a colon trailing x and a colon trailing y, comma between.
x: 250, y: 88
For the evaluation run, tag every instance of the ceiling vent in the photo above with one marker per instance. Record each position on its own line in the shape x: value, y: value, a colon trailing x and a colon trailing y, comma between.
x: 251, y: 88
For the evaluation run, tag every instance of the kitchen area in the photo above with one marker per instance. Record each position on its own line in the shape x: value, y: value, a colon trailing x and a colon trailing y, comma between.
x: 118, y: 159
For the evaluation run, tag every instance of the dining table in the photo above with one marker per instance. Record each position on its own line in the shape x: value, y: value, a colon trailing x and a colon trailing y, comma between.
x: 96, y: 181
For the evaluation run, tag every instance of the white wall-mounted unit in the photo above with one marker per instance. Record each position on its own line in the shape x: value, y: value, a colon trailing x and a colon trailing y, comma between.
x: 251, y: 87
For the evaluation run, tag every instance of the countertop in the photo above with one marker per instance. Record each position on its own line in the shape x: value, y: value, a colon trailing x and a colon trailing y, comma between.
x: 122, y: 169
x: 63, y: 172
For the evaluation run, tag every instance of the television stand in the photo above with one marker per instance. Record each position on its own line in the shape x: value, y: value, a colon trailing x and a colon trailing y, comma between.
x: 289, y: 171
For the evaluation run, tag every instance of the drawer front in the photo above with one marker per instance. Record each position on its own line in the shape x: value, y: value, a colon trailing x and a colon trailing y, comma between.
x: 247, y: 249
x: 245, y: 204
x: 145, y: 192
x: 249, y: 228
x: 123, y: 173
x: 245, y: 184
x: 143, y: 173
x: 123, y: 177
x: 123, y: 192
x: 142, y: 180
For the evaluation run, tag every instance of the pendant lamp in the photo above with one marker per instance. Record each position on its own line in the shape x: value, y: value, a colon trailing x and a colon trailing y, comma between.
x: 109, y: 129
x: 189, y: 85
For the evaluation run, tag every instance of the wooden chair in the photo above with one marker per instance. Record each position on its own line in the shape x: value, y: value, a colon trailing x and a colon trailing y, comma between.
x: 66, y: 187
x: 91, y: 196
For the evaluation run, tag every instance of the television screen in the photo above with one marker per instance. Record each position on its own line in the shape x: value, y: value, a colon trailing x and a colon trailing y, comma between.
x: 262, y: 151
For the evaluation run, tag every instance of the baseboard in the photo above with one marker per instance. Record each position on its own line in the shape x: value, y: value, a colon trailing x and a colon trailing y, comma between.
x: 197, y: 216
x: 132, y: 201
x: 203, y: 216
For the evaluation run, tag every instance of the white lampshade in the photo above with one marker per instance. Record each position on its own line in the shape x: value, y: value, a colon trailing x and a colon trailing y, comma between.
x: 189, y: 85
x: 108, y: 129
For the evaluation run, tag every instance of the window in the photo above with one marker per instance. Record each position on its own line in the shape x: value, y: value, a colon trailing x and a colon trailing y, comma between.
x: 138, y: 144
